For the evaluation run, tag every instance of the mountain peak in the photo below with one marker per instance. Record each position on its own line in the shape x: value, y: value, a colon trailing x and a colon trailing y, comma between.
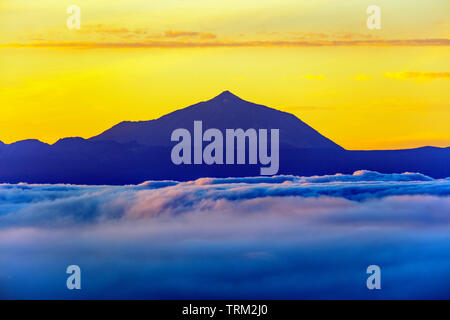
x: 226, y: 96
x: 29, y: 142
x: 227, y: 93
x: 69, y: 140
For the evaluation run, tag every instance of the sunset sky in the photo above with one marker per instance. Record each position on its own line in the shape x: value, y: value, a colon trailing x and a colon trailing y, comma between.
x: 138, y: 60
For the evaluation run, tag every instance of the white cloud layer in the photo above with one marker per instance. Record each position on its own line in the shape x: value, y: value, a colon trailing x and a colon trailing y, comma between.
x: 258, y: 237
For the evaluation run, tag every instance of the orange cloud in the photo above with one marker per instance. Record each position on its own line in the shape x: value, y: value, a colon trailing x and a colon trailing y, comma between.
x: 351, y: 36
x: 419, y: 76
x: 129, y: 33
x: 307, y: 35
x: 188, y: 34
x: 209, y: 44
x: 319, y: 36
x: 101, y: 28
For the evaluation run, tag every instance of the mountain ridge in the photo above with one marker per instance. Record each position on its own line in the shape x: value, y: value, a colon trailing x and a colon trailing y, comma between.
x: 110, y: 161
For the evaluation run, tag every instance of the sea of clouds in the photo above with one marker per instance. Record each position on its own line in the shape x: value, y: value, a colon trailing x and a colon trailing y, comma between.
x: 282, y: 237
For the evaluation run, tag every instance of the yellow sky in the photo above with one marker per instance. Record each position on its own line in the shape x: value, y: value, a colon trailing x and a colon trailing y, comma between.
x: 138, y: 60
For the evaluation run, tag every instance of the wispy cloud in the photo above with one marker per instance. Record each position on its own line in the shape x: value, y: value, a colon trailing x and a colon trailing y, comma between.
x: 146, y: 32
x: 223, y: 43
x: 189, y: 34
x: 418, y: 76
x: 105, y: 29
x: 318, y: 36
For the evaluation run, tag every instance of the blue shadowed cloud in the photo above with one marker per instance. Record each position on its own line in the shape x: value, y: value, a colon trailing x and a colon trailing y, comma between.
x: 253, y: 238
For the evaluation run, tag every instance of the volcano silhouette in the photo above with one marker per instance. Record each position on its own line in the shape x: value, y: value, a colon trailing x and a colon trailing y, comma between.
x: 133, y: 152
x: 226, y: 111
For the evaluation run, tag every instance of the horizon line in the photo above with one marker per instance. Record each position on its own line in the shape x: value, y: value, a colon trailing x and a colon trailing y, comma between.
x: 88, y: 140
